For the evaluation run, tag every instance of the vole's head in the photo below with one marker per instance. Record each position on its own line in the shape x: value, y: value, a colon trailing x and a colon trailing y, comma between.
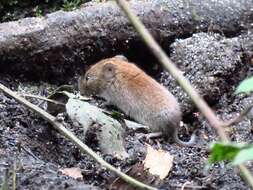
x: 99, y: 77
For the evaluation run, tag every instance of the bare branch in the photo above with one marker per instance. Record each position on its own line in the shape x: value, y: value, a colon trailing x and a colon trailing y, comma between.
x: 184, y: 83
x: 42, y: 98
x: 174, y: 71
x: 64, y: 131
x: 239, y: 118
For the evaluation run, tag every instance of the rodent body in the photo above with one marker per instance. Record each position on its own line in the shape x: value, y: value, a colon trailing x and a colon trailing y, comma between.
x: 127, y: 87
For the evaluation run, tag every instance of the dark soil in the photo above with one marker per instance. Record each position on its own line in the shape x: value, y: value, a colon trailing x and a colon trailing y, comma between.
x: 38, y: 151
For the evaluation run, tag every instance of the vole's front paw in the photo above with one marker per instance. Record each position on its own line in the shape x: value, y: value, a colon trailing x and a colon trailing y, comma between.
x: 105, y: 104
x: 150, y: 136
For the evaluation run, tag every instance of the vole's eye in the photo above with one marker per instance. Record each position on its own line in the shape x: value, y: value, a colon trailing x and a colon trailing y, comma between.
x: 87, y: 78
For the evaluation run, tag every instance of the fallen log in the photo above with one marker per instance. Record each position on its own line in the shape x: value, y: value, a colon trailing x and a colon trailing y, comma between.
x: 55, y: 46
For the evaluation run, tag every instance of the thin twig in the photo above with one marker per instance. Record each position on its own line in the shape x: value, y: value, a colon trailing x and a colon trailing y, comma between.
x: 20, y: 146
x: 239, y: 118
x: 188, y: 185
x: 42, y: 98
x: 29, y: 152
x: 185, y: 184
x: 14, y: 176
x: 174, y: 71
x: 183, y: 82
x: 64, y: 131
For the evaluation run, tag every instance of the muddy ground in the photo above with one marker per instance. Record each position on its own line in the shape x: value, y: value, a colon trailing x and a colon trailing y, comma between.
x: 39, y: 152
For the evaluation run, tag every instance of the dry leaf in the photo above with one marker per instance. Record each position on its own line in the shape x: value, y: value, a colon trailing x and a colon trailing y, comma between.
x: 137, y: 172
x: 205, y: 136
x: 158, y: 162
x: 108, y: 131
x: 72, y: 172
x: 151, y: 171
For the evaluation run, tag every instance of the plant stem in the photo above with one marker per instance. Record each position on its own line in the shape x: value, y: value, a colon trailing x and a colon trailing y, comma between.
x: 184, y: 83
x: 64, y: 131
x: 174, y: 71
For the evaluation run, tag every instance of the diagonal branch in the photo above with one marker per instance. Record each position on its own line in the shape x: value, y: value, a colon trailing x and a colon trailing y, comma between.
x: 174, y: 71
x: 184, y: 83
x: 64, y: 131
x: 239, y: 118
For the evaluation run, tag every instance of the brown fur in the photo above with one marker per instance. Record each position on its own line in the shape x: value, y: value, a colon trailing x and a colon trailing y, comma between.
x: 127, y: 87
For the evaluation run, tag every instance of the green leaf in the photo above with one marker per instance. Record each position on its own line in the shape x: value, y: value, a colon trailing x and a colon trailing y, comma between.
x: 220, y: 152
x: 117, y: 115
x: 243, y: 156
x: 246, y: 86
x: 236, y: 153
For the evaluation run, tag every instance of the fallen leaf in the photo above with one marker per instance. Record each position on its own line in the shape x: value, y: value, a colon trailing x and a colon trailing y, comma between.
x: 108, y: 131
x: 72, y: 172
x: 137, y: 172
x: 158, y: 162
x: 205, y: 136
x: 151, y: 171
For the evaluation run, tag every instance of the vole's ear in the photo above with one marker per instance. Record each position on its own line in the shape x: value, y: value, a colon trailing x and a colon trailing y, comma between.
x: 109, y: 70
x: 121, y: 57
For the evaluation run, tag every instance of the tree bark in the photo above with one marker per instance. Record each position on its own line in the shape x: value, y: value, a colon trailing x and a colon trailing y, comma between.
x: 54, y: 47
